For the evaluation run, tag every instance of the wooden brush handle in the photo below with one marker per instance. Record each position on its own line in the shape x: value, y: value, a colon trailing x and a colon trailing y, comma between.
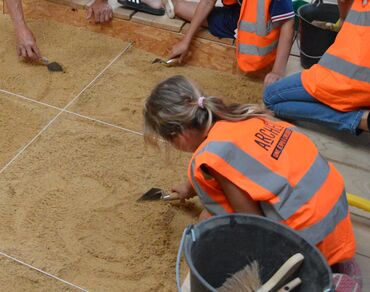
x: 283, y: 273
x: 291, y: 285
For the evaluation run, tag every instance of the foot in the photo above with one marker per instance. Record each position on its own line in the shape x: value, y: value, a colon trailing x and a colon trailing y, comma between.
x: 365, y: 122
x: 170, y: 8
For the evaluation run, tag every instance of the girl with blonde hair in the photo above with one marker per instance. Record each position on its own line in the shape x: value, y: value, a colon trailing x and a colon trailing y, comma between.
x: 244, y: 161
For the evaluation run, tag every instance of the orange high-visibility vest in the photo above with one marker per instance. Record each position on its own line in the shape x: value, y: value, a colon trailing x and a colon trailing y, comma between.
x: 281, y: 169
x: 341, y: 79
x: 257, y: 38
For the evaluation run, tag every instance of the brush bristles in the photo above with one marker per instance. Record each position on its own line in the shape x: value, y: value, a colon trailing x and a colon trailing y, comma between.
x: 246, y: 280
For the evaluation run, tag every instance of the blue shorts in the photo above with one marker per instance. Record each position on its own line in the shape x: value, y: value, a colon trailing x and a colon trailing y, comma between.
x: 222, y: 21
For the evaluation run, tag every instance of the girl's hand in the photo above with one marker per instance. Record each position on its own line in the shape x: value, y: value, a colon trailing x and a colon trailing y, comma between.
x: 272, y: 77
x: 180, y: 50
x: 26, y: 44
x: 184, y: 191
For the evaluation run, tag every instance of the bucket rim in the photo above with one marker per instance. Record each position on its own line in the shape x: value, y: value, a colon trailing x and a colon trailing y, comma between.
x: 192, y: 233
x: 310, y: 4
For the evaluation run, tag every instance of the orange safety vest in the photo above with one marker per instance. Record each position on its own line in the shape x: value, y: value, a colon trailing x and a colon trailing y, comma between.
x: 341, y: 79
x: 281, y: 169
x: 257, y: 38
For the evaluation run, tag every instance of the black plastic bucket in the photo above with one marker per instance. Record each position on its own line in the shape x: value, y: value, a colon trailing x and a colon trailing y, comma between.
x: 222, y: 245
x: 314, y: 41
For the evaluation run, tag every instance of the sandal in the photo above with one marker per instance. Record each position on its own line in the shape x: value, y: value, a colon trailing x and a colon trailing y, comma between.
x: 140, y: 6
x: 170, y: 9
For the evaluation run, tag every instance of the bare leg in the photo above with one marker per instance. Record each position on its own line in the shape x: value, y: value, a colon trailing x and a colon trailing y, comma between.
x: 186, y: 10
x: 364, y: 122
x: 156, y: 4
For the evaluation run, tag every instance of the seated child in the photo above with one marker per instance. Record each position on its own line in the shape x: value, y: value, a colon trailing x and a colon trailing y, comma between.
x: 264, y: 30
x: 336, y: 91
x: 245, y: 161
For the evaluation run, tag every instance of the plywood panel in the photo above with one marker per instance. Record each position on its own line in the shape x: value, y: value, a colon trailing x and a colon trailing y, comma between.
x: 158, y: 21
x: 204, y: 53
x: 78, y: 4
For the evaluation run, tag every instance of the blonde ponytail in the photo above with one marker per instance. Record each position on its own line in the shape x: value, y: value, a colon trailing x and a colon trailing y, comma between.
x: 177, y: 104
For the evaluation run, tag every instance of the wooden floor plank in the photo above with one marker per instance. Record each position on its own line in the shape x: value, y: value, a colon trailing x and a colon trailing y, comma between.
x: 158, y: 21
x: 77, y: 4
x: 340, y: 146
x: 357, y: 181
x: 361, y: 228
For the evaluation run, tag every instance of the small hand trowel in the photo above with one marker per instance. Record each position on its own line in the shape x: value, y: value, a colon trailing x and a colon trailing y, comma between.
x: 52, y: 66
x: 155, y: 194
x: 168, y: 63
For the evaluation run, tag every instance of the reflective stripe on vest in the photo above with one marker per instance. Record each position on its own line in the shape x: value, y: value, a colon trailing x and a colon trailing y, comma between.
x: 257, y: 36
x: 318, y: 231
x: 257, y: 51
x: 345, y: 68
x: 290, y: 199
x: 209, y: 204
x: 361, y: 18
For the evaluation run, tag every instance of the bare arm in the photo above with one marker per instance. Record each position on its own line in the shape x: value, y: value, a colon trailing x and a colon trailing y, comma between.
x: 16, y: 12
x: 26, y: 43
x: 202, y: 11
x: 344, y: 6
x: 283, y: 50
x: 239, y: 199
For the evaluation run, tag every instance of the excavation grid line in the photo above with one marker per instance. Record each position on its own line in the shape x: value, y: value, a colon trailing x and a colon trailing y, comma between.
x: 41, y: 271
x: 72, y: 113
x: 61, y: 110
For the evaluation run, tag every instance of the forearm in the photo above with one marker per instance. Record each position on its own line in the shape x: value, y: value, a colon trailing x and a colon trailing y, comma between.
x: 284, y: 46
x: 16, y: 12
x: 202, y: 11
x: 344, y: 6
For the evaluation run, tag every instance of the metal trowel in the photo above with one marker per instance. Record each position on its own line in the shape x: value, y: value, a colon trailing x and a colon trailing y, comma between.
x: 155, y: 194
x: 168, y: 63
x: 52, y: 66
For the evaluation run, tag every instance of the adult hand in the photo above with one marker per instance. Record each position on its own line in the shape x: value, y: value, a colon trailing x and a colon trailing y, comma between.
x: 100, y: 10
x: 272, y: 77
x: 180, y: 50
x: 184, y: 191
x: 26, y: 44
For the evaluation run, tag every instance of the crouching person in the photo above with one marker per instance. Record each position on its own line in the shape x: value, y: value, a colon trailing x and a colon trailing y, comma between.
x: 243, y: 161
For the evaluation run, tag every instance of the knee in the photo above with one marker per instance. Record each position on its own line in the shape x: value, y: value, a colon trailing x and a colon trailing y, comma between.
x: 268, y: 94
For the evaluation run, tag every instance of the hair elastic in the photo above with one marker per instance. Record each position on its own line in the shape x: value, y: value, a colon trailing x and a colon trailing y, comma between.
x: 201, y: 101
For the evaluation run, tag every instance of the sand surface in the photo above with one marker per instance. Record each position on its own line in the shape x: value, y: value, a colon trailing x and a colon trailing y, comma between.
x: 68, y: 202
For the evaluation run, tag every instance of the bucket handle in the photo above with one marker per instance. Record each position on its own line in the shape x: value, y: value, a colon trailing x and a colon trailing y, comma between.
x: 317, y: 2
x: 303, y: 53
x: 187, y: 230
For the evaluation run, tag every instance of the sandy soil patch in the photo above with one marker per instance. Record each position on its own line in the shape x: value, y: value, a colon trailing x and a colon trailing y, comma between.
x: 119, y: 95
x: 19, y: 123
x: 82, y: 53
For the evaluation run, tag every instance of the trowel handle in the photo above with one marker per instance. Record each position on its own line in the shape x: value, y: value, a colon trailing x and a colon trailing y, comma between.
x: 44, y: 61
x: 291, y: 285
x: 170, y: 197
